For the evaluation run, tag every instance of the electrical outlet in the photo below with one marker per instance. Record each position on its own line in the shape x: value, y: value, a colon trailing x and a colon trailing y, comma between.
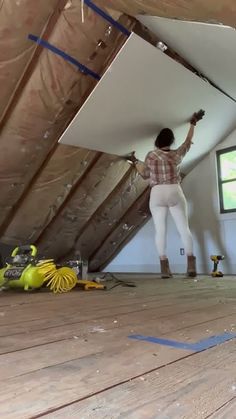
x: 182, y: 251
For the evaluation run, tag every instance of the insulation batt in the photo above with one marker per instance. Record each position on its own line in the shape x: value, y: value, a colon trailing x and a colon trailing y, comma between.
x: 51, y: 97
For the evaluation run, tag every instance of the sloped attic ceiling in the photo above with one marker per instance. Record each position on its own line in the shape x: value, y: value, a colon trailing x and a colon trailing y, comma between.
x: 63, y: 198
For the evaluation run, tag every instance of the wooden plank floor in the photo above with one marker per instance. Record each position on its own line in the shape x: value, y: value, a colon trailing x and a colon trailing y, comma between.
x: 69, y: 355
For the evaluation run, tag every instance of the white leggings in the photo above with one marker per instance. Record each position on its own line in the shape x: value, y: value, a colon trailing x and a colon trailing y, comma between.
x: 164, y: 197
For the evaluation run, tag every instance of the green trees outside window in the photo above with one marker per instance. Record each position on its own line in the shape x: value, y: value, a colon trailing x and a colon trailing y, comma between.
x: 226, y: 162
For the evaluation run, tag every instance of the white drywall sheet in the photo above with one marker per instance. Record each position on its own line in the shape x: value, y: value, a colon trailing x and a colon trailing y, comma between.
x: 143, y: 91
x: 211, y: 49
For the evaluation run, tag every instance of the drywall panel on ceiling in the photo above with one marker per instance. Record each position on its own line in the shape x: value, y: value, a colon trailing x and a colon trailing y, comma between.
x: 143, y: 91
x: 211, y: 49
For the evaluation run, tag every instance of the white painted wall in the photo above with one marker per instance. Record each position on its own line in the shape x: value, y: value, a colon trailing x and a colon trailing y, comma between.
x: 214, y: 233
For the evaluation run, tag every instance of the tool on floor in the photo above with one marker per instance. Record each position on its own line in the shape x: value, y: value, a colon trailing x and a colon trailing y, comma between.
x: 24, y: 270
x: 108, y: 276
x: 216, y: 259
x: 89, y: 285
x: 80, y: 267
x: 21, y: 270
x: 1, y: 262
x: 59, y: 280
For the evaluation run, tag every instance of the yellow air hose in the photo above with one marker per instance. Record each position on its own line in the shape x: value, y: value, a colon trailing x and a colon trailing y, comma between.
x: 58, y: 280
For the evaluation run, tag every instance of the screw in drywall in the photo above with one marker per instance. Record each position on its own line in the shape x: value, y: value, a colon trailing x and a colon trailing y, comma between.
x: 162, y: 46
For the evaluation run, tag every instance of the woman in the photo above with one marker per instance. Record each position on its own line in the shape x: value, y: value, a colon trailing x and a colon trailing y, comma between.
x: 162, y: 168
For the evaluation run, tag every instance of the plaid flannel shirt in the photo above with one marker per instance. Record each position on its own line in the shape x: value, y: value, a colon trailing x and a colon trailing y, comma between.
x: 163, y: 167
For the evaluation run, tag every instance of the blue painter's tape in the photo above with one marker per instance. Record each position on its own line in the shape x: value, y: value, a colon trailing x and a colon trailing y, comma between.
x: 165, y: 342
x: 65, y: 56
x: 200, y: 346
x: 105, y: 16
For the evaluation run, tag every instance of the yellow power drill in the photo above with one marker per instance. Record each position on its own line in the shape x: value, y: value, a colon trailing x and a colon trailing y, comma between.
x: 216, y: 259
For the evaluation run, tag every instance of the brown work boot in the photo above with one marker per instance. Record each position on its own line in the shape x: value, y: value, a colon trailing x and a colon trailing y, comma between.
x: 191, y: 269
x: 165, y: 269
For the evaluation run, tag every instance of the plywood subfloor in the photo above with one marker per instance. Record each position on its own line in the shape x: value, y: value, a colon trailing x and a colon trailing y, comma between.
x: 70, y: 356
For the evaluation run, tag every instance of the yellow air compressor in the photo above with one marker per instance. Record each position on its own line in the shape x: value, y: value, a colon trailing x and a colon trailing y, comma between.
x: 21, y: 270
x: 24, y: 270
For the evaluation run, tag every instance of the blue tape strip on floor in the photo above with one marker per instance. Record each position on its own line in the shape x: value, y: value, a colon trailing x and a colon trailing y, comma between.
x: 65, y: 56
x: 204, y: 344
x: 165, y: 342
x: 105, y: 16
x: 200, y: 346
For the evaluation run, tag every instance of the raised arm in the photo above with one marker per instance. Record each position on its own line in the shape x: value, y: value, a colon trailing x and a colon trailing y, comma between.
x: 184, y: 148
x: 190, y: 133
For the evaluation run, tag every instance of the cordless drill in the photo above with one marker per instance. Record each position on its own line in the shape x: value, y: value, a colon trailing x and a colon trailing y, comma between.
x: 216, y: 259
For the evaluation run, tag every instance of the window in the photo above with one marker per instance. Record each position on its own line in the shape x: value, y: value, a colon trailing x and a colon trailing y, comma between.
x: 226, y: 162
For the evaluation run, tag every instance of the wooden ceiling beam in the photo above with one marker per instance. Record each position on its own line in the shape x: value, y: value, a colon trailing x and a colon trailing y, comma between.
x: 95, y: 156
x: 99, y: 183
x: 210, y: 11
x: 106, y: 219
x: 61, y: 173
x: 18, y: 92
x: 136, y: 216
x: 79, y: 88
x: 83, y: 232
x: 31, y: 64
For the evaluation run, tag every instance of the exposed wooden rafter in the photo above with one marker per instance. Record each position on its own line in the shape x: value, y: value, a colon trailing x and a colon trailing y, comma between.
x: 98, y: 208
x: 32, y: 63
x: 212, y: 11
x: 136, y: 216
x: 106, y: 173
x: 78, y: 92
x: 107, y: 217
